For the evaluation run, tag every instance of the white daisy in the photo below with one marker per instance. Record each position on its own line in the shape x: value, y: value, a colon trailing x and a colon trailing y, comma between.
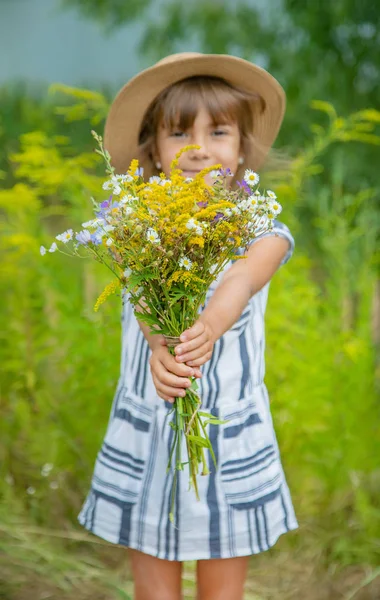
x: 122, y: 178
x: 242, y: 205
x: 92, y: 223
x: 191, y: 224
x: 228, y: 212
x: 128, y: 210
x: 43, y: 250
x: 113, y: 185
x: 65, y: 237
x: 185, y: 263
x: 53, y: 247
x: 152, y: 236
x: 251, y: 177
x: 215, y: 173
x: 127, y: 272
x: 275, y: 207
x: 127, y: 199
x: 271, y: 194
x: 31, y: 490
x: 116, y: 190
x: 155, y: 179
x: 109, y: 242
x: 252, y: 202
x: 199, y: 230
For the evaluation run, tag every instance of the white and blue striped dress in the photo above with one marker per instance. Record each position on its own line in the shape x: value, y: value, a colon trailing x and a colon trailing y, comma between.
x: 245, y: 504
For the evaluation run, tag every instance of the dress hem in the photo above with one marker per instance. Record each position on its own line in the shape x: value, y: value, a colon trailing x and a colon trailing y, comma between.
x: 187, y: 556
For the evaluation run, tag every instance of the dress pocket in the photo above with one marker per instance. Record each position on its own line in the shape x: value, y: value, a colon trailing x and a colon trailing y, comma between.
x: 250, y: 468
x: 121, y: 462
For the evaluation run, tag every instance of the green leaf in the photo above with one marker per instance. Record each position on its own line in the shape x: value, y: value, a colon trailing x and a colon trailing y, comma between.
x: 199, y: 441
x: 215, y: 422
x: 147, y: 319
x: 194, y: 385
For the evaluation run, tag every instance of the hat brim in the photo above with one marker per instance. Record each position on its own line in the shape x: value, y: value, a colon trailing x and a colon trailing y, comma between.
x: 123, y: 124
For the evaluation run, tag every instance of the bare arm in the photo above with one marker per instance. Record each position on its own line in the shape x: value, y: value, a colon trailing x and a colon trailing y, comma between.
x: 244, y: 279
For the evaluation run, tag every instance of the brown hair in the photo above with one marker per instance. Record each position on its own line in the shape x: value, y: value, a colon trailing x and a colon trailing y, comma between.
x: 177, y: 106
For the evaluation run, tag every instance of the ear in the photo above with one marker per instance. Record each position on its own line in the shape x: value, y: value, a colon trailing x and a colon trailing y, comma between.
x: 154, y: 153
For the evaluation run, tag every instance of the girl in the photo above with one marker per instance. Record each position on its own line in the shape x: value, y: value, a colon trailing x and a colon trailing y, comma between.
x: 232, y: 110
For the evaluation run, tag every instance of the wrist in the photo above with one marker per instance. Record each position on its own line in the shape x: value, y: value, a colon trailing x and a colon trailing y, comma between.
x: 209, y: 327
x: 155, y: 341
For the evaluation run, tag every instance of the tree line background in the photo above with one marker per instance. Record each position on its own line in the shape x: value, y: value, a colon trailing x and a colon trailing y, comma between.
x: 60, y: 360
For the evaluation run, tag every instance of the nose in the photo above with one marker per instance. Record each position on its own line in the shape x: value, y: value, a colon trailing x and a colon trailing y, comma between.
x: 199, y: 139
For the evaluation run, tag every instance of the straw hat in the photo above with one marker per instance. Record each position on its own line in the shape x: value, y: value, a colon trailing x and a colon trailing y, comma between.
x: 122, y: 129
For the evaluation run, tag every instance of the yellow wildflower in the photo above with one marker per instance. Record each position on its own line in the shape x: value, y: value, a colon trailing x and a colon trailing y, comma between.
x: 108, y: 290
x: 133, y: 168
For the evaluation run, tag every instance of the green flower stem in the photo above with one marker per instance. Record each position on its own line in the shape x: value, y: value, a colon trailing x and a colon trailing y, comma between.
x: 188, y: 422
x: 205, y: 470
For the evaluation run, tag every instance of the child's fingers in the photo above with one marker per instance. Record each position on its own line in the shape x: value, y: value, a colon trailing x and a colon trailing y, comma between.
x: 195, y: 354
x: 200, y: 361
x: 179, y: 369
x: 193, y: 344
x: 166, y: 391
x: 169, y: 379
x: 193, y: 332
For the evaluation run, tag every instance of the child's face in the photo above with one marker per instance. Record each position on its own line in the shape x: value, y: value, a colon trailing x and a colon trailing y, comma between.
x: 219, y: 145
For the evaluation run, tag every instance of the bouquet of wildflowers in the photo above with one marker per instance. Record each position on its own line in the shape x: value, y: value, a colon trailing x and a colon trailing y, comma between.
x: 166, y: 241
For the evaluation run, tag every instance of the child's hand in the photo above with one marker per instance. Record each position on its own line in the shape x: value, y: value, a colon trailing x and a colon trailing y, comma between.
x: 170, y: 378
x: 198, y: 345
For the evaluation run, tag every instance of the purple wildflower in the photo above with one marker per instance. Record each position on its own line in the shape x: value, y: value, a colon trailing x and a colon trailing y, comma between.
x: 96, y: 238
x: 83, y: 237
x: 244, y: 185
x: 106, y: 207
x: 202, y: 204
x: 217, y: 217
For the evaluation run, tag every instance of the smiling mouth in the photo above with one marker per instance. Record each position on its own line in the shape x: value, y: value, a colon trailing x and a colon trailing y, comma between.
x: 190, y: 173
